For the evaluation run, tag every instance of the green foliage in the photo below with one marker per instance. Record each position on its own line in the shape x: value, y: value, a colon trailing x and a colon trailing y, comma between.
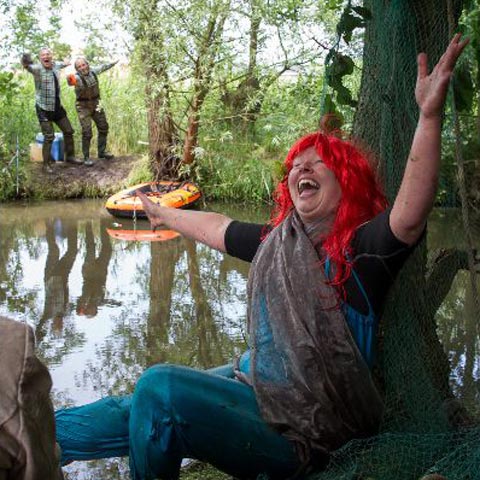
x: 104, y: 39
x: 336, y: 70
x: 339, y: 65
x: 334, y: 4
x: 352, y: 18
x: 286, y: 10
x: 141, y: 172
x: 226, y: 175
x: 244, y: 165
x: 28, y: 28
x: 8, y: 86
x: 17, y: 114
x: 7, y: 183
x: 463, y: 88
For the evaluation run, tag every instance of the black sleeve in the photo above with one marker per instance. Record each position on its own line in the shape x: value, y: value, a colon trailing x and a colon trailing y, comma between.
x: 377, y: 258
x: 243, y: 239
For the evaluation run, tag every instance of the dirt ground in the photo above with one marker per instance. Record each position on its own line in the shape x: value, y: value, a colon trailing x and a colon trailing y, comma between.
x: 105, y: 177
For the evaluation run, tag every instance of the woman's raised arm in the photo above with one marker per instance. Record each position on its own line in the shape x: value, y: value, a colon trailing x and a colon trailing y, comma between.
x: 417, y: 192
x: 205, y: 227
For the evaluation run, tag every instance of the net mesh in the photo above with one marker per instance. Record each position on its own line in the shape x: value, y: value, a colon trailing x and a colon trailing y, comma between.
x: 431, y: 420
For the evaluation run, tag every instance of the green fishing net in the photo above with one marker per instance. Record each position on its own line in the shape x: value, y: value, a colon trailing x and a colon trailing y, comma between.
x: 431, y: 388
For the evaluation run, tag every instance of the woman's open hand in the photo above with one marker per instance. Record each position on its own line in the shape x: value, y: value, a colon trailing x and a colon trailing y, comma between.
x: 151, y: 210
x: 431, y: 90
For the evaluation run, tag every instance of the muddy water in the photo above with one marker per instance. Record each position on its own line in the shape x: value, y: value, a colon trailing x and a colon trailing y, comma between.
x: 104, y: 309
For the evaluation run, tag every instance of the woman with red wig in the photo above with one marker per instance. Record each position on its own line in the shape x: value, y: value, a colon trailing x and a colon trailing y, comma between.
x: 319, y: 277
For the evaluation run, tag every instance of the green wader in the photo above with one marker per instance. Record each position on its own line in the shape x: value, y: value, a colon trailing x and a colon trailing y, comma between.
x: 89, y: 110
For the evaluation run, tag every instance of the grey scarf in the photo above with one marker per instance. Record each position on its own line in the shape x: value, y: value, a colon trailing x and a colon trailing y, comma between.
x: 311, y: 382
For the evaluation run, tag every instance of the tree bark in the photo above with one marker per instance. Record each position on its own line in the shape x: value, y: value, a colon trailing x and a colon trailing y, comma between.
x: 204, y: 64
x: 191, y: 136
x: 162, y: 133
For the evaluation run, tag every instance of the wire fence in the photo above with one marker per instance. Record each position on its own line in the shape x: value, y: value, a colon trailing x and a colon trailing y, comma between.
x: 12, y: 167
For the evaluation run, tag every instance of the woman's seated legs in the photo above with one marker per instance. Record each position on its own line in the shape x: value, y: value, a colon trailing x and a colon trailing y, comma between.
x: 175, y: 413
x: 178, y: 413
x: 96, y: 430
x: 100, y: 429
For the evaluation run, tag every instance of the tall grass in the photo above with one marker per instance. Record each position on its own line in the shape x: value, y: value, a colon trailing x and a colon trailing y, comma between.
x: 235, y: 171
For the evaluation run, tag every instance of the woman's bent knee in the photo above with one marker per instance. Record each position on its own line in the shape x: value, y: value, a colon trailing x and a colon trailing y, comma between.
x: 159, y: 383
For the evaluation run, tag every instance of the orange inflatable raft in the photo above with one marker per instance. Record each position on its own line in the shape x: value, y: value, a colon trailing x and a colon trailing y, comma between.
x: 142, y: 235
x: 169, y: 194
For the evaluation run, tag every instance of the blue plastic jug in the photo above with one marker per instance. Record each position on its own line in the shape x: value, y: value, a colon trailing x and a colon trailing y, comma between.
x: 57, y: 145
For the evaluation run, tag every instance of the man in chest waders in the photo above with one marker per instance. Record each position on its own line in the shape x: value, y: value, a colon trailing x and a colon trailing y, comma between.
x: 48, y: 105
x: 88, y: 106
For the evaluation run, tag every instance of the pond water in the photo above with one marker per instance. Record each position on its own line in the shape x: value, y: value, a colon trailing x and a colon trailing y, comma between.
x: 105, y: 309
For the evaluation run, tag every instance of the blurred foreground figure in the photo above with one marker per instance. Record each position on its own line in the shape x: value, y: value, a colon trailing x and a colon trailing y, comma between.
x: 27, y: 428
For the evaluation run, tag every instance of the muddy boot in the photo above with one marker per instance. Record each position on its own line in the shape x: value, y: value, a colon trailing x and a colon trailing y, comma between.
x: 86, y: 149
x: 47, y: 166
x: 74, y: 161
x: 47, y: 158
x: 69, y: 146
x: 102, y: 145
x: 46, y: 148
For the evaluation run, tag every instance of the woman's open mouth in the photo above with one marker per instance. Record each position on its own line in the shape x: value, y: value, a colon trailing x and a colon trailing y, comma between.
x: 307, y: 184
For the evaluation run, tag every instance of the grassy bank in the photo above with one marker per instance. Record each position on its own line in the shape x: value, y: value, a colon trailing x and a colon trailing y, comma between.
x: 202, y: 471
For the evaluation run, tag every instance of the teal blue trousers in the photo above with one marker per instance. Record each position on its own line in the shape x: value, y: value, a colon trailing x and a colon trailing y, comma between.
x: 175, y: 413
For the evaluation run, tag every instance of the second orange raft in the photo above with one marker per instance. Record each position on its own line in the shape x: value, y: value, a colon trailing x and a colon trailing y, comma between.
x: 169, y: 194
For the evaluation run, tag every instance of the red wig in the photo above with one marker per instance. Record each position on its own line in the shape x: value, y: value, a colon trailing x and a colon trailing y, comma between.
x: 362, y: 195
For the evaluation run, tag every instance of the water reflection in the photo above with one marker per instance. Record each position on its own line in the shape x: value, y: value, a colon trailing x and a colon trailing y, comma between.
x: 94, y: 269
x: 458, y: 329
x: 105, y: 309
x: 57, y: 271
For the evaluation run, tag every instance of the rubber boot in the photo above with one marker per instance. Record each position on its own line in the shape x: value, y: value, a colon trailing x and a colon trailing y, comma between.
x: 69, y: 148
x: 102, y: 145
x: 47, y: 159
x: 86, y: 148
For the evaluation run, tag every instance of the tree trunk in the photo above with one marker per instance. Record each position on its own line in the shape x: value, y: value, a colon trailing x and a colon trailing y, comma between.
x: 191, y: 136
x: 204, y: 64
x: 162, y: 133
x: 385, y: 122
